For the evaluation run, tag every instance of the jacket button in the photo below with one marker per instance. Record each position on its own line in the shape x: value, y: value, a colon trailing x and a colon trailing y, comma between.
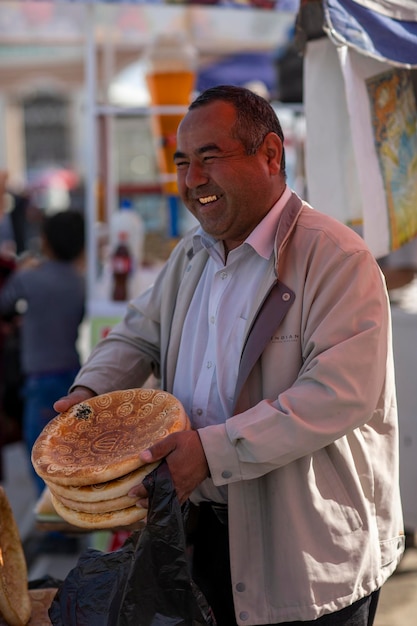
x: 226, y: 474
x: 240, y: 587
x: 244, y: 615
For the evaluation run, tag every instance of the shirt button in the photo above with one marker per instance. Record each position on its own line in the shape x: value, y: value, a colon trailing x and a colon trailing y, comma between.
x: 244, y: 615
x: 223, y: 275
x: 226, y: 474
x: 212, y: 319
x: 286, y: 296
x: 240, y: 587
x: 209, y: 364
x: 199, y: 411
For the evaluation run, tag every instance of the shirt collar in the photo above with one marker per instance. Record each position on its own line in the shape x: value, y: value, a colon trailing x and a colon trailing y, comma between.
x: 261, y: 239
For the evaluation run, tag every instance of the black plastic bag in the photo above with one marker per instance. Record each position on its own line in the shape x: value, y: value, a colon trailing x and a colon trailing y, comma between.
x: 146, y: 582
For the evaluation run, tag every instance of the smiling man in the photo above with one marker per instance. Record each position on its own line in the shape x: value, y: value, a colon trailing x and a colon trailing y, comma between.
x: 270, y: 322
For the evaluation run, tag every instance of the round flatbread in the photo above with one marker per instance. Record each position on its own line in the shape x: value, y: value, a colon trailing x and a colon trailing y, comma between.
x: 15, y: 604
x: 111, y: 489
x: 43, y: 506
x: 99, y: 521
x: 102, y: 506
x: 100, y: 439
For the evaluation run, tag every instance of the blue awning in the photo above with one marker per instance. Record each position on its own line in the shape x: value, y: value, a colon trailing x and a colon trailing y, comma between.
x: 240, y: 69
x: 371, y: 33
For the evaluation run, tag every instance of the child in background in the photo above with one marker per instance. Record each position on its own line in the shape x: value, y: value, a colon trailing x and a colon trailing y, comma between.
x: 50, y: 296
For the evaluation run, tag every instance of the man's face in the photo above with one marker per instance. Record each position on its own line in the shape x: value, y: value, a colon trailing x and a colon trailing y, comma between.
x: 228, y: 191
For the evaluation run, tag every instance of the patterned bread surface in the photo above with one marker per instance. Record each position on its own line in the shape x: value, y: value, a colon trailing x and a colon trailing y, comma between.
x: 100, y: 439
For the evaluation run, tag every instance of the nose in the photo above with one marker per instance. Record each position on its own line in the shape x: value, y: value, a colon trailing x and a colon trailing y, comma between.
x: 195, y: 175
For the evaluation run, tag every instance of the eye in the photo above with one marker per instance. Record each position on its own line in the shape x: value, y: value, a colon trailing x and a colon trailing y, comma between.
x: 180, y: 165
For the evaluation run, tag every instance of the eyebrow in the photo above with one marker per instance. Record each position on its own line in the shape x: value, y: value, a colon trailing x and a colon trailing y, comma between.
x: 210, y: 147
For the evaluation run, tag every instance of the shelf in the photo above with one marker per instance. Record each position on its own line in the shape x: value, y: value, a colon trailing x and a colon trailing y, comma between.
x: 117, y: 110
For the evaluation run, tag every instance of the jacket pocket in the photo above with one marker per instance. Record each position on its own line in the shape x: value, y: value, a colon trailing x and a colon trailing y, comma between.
x: 342, y: 515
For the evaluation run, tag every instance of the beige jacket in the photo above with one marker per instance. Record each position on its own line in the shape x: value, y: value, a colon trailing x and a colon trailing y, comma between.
x: 310, y: 456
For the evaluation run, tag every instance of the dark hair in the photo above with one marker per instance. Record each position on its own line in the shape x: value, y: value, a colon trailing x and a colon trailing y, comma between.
x: 64, y: 233
x: 255, y: 117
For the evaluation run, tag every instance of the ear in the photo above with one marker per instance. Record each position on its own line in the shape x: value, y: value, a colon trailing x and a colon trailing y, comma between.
x: 273, y: 148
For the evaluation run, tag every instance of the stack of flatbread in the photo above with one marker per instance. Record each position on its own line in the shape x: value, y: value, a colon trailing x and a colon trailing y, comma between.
x: 88, y: 456
x: 19, y: 606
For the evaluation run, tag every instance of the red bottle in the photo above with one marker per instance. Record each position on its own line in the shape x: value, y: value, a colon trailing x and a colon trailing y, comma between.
x: 121, y: 268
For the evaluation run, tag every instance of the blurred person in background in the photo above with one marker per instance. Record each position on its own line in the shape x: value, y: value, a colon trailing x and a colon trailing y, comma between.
x: 10, y: 379
x: 7, y: 243
x: 26, y: 220
x: 49, y: 295
x: 20, y: 218
x: 10, y: 370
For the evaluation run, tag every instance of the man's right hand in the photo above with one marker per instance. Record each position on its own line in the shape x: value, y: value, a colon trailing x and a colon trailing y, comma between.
x: 79, y: 394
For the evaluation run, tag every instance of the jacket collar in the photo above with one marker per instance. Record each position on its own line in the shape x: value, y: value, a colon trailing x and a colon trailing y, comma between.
x: 276, y: 304
x: 289, y: 217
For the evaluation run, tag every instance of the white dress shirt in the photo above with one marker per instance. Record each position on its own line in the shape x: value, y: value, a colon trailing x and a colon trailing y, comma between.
x: 213, y: 332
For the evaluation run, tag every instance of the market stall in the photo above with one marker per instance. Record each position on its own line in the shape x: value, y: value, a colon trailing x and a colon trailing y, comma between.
x: 363, y: 122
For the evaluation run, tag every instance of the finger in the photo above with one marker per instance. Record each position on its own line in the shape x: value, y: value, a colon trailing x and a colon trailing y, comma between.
x: 158, y: 451
x: 139, y: 499
x: 146, y: 456
x: 138, y: 491
x: 139, y: 502
x: 140, y: 494
x: 63, y: 404
x: 80, y: 394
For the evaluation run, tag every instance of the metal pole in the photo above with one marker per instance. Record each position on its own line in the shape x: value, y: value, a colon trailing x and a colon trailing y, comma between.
x: 91, y: 152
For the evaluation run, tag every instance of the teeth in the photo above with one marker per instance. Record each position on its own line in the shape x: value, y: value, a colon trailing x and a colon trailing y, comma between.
x: 207, y: 199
